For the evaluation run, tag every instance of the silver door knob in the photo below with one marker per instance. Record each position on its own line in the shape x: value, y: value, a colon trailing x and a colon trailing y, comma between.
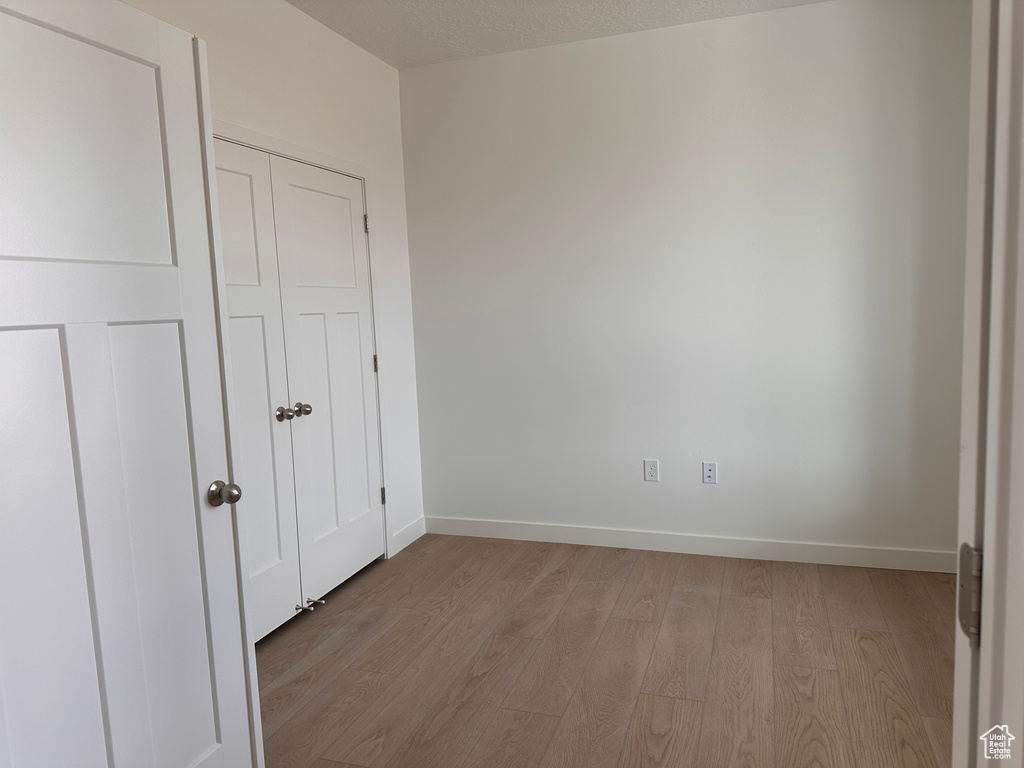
x: 303, y: 607
x: 223, y: 493
x: 303, y: 409
x: 284, y: 413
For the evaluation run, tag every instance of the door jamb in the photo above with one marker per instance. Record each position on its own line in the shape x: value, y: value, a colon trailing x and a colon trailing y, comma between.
x: 976, y: 328
x: 988, y: 680
x: 1000, y: 691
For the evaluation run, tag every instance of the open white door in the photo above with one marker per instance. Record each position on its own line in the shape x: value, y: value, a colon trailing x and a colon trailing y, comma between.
x: 989, y: 709
x: 121, y: 639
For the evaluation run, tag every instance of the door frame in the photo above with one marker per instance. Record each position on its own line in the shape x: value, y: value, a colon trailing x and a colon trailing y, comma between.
x: 989, y: 680
x: 974, y: 386
x: 268, y: 144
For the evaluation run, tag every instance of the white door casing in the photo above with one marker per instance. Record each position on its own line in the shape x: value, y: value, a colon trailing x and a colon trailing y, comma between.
x: 1001, y: 661
x: 326, y: 300
x: 263, y: 449
x: 122, y: 635
x: 315, y: 477
x: 989, y: 688
x: 973, y: 412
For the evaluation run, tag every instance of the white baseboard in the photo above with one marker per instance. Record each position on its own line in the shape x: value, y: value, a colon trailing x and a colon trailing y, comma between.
x: 696, y: 544
x: 401, y: 539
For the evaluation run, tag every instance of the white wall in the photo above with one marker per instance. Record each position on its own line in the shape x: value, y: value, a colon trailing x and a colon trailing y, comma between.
x: 738, y: 241
x: 275, y: 71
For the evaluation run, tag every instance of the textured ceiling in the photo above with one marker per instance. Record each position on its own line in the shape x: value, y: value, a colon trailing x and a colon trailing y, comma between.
x: 410, y: 33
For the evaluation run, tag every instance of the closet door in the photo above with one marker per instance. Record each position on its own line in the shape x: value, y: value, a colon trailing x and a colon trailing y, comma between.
x: 325, y: 294
x: 264, y: 466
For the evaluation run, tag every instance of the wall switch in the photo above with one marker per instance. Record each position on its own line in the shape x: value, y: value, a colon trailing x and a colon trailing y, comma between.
x: 651, y: 470
x: 710, y: 471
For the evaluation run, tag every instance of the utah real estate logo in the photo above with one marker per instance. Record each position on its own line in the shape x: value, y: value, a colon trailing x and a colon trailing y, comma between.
x: 997, y: 742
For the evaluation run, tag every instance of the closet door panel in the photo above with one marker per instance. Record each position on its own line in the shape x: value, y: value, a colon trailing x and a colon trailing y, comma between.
x: 323, y: 236
x: 325, y: 295
x: 266, y: 512
x: 316, y: 449
x: 236, y: 197
x: 335, y: 445
x: 253, y: 400
x: 354, y: 448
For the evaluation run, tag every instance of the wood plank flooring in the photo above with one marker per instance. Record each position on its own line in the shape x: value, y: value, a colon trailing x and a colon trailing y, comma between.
x: 481, y: 653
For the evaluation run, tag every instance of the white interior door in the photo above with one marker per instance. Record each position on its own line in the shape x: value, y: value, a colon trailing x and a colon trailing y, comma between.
x: 262, y: 442
x: 121, y: 639
x: 325, y: 294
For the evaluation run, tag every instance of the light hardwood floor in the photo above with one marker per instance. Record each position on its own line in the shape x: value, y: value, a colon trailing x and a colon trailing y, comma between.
x: 485, y: 653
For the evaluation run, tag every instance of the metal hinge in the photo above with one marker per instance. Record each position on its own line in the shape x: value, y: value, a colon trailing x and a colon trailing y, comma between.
x: 969, y: 593
x: 366, y: 223
x: 383, y: 499
x: 374, y: 363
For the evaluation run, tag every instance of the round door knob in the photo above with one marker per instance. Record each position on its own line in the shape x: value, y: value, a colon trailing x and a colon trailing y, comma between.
x: 303, y: 409
x: 223, y: 493
x: 284, y: 413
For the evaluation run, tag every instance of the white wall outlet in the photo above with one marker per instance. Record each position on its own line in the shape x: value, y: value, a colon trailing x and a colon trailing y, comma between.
x: 651, y: 470
x: 710, y: 472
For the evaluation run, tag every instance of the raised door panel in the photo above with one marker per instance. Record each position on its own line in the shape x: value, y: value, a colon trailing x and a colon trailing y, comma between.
x: 335, y: 443
x: 99, y: 213
x: 264, y: 466
x: 236, y: 196
x: 44, y: 649
x: 325, y: 295
x: 323, y: 238
x: 122, y: 643
x: 160, y: 491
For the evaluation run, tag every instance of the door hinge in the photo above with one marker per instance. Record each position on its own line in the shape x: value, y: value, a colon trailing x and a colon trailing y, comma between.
x: 969, y: 593
x: 383, y: 498
x: 366, y: 223
x: 374, y: 363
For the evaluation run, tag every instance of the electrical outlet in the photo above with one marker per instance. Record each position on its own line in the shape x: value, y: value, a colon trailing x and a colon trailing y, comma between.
x: 711, y: 472
x: 651, y: 470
